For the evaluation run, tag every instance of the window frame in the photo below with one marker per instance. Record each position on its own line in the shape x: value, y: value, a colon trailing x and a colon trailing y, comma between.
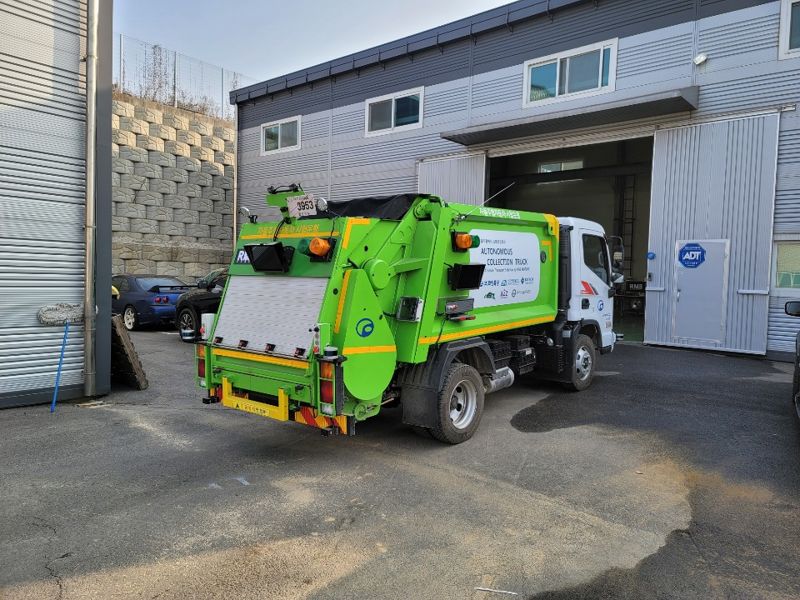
x: 774, y: 289
x: 605, y: 251
x: 784, y: 52
x: 420, y: 91
x: 263, y: 147
x: 612, y: 43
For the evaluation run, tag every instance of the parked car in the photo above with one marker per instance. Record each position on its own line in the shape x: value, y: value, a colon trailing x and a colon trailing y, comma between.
x: 146, y: 299
x: 204, y: 299
x: 792, y: 309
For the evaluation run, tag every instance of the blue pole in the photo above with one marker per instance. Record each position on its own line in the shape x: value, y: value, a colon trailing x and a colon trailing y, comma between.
x: 60, y: 364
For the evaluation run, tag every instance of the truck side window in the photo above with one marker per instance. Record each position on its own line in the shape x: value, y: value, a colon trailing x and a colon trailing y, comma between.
x: 596, y: 257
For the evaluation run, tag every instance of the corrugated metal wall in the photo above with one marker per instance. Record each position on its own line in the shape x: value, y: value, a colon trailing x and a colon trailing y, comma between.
x: 456, y: 179
x: 42, y: 110
x: 715, y: 181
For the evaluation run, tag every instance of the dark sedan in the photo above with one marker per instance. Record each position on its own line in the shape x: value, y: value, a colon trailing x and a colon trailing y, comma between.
x: 204, y: 299
x: 146, y: 299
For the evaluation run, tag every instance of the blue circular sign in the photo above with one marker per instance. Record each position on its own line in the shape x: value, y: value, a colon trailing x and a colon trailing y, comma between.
x: 692, y: 255
x: 365, y: 327
x: 600, y: 305
x: 651, y: 255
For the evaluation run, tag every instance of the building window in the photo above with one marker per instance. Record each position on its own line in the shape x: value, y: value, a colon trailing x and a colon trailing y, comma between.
x: 790, y: 29
x: 280, y: 136
x: 787, y: 267
x: 562, y: 165
x: 581, y: 72
x: 395, y: 112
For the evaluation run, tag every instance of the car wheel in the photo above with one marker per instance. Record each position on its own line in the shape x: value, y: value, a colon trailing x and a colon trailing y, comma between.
x: 130, y: 318
x: 460, y: 405
x: 584, y: 358
x: 187, y: 319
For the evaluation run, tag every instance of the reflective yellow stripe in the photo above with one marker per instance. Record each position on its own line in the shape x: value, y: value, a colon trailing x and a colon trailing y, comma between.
x: 369, y: 350
x: 340, y: 308
x: 309, y: 234
x: 350, y: 223
x: 273, y: 360
x: 457, y: 335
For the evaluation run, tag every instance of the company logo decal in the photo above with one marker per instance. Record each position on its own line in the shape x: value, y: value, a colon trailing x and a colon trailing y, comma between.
x: 365, y: 327
x: 692, y: 255
x: 587, y: 289
x: 242, y: 258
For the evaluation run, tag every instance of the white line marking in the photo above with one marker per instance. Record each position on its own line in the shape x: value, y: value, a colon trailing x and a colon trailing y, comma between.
x: 483, y: 589
x: 242, y: 480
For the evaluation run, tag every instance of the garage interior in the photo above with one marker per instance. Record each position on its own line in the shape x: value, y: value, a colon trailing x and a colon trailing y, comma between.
x: 607, y: 183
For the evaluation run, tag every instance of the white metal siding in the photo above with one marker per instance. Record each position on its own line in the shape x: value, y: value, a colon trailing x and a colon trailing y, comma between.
x: 42, y: 110
x: 455, y: 179
x: 715, y: 181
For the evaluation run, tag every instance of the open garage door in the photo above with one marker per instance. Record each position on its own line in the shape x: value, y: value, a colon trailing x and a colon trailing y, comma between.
x: 711, y: 235
x: 456, y: 178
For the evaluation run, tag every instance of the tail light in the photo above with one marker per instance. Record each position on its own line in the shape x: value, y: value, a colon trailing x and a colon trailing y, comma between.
x: 326, y: 382
x: 201, y: 368
x: 326, y: 391
x: 161, y: 300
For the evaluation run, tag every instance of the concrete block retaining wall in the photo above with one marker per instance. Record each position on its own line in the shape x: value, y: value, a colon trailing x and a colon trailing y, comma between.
x: 173, y: 178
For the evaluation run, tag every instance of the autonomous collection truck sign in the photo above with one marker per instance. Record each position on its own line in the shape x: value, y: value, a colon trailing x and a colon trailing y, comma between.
x: 512, y: 267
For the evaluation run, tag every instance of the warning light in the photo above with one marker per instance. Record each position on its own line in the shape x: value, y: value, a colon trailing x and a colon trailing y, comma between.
x: 319, y: 247
x: 465, y: 241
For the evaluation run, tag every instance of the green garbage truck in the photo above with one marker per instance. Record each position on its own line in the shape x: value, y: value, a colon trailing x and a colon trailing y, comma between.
x: 338, y: 309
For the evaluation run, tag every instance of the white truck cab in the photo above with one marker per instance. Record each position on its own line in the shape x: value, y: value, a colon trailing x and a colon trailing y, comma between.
x: 592, y: 279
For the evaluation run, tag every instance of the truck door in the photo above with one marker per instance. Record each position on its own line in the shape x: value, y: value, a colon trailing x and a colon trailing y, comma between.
x: 596, y: 304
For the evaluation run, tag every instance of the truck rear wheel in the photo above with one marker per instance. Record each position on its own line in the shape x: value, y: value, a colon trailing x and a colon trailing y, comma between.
x: 583, y: 364
x: 460, y: 405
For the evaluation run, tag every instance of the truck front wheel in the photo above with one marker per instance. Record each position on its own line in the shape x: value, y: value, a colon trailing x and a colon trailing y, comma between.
x: 460, y: 405
x: 584, y: 359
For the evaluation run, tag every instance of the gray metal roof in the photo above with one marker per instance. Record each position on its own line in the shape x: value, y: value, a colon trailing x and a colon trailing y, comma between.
x: 503, y: 16
x: 650, y: 105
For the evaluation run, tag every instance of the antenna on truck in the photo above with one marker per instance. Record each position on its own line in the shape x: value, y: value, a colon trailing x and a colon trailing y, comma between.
x: 492, y: 197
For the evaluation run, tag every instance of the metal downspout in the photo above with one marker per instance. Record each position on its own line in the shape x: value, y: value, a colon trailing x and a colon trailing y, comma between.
x: 89, y: 304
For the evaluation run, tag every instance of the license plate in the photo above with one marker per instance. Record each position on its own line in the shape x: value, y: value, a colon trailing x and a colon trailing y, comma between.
x: 302, y: 206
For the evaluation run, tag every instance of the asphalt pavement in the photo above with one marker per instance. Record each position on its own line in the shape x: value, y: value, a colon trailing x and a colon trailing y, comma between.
x: 677, y: 475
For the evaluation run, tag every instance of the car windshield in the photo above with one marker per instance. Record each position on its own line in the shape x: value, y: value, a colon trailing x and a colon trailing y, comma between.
x: 150, y: 282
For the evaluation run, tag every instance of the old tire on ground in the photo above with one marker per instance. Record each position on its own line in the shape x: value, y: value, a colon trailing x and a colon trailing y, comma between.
x: 187, y: 319
x: 584, y: 360
x: 460, y: 405
x: 129, y: 318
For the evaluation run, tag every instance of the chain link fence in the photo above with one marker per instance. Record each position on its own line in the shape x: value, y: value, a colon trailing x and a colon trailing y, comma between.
x: 155, y: 73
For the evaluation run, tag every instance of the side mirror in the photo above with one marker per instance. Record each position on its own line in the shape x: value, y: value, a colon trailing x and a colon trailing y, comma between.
x: 617, y: 278
x: 792, y: 308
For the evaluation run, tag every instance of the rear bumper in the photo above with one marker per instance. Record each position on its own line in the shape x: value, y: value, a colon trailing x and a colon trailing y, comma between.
x: 157, y: 314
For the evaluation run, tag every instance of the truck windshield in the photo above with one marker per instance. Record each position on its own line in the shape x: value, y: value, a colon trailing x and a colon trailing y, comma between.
x: 595, y: 256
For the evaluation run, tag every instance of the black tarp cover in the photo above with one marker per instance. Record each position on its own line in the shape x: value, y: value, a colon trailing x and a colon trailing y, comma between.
x: 392, y: 208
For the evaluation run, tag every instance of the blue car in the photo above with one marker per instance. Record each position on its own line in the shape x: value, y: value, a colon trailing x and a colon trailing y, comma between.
x: 146, y: 299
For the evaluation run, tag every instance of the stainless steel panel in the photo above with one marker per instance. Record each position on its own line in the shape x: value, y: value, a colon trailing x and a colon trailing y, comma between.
x: 455, y: 179
x: 268, y: 309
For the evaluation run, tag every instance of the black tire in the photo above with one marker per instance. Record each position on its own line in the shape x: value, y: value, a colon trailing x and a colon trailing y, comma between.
x: 582, y: 364
x: 187, y: 319
x: 459, y: 405
x: 130, y: 318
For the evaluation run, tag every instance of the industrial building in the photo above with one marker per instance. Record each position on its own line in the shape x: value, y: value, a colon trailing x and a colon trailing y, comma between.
x: 673, y: 123
x: 55, y: 195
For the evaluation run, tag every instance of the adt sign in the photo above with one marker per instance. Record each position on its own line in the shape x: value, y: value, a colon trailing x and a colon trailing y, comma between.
x: 692, y: 255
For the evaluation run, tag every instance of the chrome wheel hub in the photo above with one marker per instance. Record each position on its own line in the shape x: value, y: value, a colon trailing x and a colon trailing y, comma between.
x: 583, y: 363
x: 129, y: 318
x: 463, y: 404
